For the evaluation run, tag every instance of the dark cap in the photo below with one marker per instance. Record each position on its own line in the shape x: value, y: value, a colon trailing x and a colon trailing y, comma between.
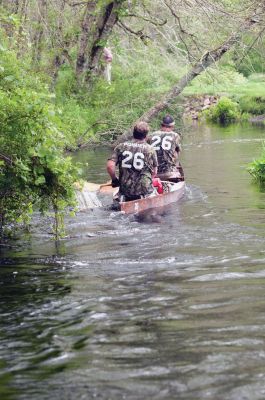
x: 168, y: 121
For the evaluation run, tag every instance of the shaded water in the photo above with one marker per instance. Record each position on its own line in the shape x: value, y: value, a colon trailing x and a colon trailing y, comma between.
x: 127, y: 309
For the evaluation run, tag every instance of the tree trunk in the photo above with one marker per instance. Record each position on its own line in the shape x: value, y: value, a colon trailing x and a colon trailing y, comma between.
x: 2, y: 221
x: 104, y: 26
x: 59, y: 58
x: 22, y: 11
x: 87, y: 23
x: 37, y: 40
x: 16, y: 6
x: 206, y: 60
x: 97, y: 25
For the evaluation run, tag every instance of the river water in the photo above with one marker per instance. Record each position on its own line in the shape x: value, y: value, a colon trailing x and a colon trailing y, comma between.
x: 168, y: 307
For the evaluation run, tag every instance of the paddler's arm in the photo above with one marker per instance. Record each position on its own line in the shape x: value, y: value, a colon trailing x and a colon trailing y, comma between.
x: 111, y: 169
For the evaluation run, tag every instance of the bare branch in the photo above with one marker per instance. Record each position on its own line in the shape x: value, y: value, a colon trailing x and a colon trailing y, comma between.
x: 139, y: 33
x: 183, y: 32
x: 251, y: 46
x: 156, y: 23
x: 80, y: 3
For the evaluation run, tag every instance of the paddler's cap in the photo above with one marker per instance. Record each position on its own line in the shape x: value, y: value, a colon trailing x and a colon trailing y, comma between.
x: 168, y: 121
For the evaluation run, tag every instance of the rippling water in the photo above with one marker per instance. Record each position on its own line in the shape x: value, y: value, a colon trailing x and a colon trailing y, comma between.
x: 169, y: 306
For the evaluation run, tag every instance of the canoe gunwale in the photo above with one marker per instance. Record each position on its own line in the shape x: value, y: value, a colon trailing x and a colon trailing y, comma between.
x: 136, y: 206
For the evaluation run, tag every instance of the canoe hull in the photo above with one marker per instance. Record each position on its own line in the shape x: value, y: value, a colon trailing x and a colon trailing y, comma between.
x: 137, y: 206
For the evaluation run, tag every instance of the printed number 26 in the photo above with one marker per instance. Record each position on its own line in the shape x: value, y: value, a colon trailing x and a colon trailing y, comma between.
x: 166, y: 142
x: 130, y: 159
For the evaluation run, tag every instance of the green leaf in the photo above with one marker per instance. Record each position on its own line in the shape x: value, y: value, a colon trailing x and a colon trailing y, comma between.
x: 9, y: 78
x: 40, y: 180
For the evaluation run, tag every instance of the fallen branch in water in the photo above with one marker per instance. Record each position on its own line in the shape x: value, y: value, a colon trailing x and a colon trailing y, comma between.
x: 105, y: 138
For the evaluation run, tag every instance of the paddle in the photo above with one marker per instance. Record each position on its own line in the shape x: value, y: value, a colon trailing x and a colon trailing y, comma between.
x: 87, y: 194
x: 107, y: 188
x: 94, y: 187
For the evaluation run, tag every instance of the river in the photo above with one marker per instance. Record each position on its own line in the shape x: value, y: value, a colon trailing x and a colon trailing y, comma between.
x: 163, y: 308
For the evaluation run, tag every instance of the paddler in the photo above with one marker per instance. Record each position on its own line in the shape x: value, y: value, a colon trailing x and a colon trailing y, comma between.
x: 166, y: 142
x: 137, y: 163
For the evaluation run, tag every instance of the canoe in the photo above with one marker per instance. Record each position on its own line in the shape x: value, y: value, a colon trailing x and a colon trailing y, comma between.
x: 86, y: 195
x: 177, y: 190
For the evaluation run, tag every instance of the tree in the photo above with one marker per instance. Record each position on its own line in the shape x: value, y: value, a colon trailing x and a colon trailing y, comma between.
x: 39, y: 32
x: 254, y: 19
x: 98, y: 22
x: 207, y: 59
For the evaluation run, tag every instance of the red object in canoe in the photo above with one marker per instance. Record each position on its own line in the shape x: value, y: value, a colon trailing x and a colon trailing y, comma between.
x: 136, y: 206
x: 158, y: 185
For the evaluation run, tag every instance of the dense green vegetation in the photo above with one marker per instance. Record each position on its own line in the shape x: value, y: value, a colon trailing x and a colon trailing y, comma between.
x: 257, y: 169
x: 105, y: 111
x: 224, y: 112
x: 54, y: 96
x: 248, y: 92
x: 33, y: 168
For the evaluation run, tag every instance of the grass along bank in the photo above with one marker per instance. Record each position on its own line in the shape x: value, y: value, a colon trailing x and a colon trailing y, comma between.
x: 247, y: 92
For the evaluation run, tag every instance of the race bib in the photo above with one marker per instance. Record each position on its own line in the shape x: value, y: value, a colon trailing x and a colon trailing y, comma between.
x: 130, y: 160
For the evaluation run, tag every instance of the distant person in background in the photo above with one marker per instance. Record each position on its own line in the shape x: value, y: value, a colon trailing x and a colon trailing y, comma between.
x: 137, y: 163
x: 166, y: 142
x: 108, y: 60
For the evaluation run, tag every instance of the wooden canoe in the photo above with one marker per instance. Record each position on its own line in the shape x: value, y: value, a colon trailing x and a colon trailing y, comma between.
x: 136, y: 206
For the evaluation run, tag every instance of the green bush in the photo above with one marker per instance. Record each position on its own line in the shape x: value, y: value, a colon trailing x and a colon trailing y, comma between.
x: 33, y: 168
x: 257, y: 169
x: 224, y: 112
x: 252, y: 104
x: 257, y: 77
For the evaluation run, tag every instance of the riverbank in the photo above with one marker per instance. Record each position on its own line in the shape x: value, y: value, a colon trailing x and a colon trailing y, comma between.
x: 248, y: 94
x: 194, y: 105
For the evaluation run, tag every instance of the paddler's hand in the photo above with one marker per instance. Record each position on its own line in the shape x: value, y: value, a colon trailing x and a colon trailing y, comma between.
x: 115, y: 182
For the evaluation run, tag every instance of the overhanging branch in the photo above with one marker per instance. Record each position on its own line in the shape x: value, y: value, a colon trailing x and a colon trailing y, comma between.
x: 140, y: 34
x: 208, y: 58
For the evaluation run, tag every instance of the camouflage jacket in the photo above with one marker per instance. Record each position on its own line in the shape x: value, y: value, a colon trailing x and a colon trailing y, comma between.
x: 165, y: 144
x: 136, y: 162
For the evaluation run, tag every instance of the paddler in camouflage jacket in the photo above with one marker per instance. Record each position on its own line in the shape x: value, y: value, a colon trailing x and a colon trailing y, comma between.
x: 137, y: 163
x: 166, y: 142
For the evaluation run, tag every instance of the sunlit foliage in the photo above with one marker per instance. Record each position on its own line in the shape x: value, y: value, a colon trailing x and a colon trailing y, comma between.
x: 257, y: 169
x: 225, y: 111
